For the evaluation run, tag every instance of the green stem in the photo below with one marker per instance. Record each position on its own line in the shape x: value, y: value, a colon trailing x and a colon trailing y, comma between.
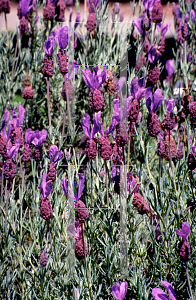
x: 188, y: 280
x: 7, y: 30
x: 7, y: 203
x: 48, y: 101
x: 89, y: 287
x: 2, y: 182
x: 106, y: 171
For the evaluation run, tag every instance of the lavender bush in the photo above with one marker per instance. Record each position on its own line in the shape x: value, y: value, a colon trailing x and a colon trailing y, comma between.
x: 98, y: 153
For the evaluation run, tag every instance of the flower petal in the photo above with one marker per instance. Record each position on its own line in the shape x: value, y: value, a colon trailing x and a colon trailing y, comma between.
x: 96, y: 126
x: 158, y: 294
x: 157, y: 99
x: 86, y: 125
x: 29, y: 135
x: 81, y: 184
x: 14, y: 150
x: 64, y: 185
x: 116, y: 290
x: 62, y: 37
x: 123, y: 289
x: 88, y: 78
x: 170, y: 289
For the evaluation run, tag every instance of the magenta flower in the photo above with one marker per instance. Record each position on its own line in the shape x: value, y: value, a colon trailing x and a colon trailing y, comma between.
x: 49, y: 44
x: 77, y: 193
x: 86, y: 125
x: 13, y: 150
x: 29, y: 136
x: 169, y: 66
x: 63, y: 35
x: 185, y: 231
x: 148, y: 4
x: 119, y: 290
x: 55, y: 154
x: 153, y: 102
x: 96, y: 79
x: 25, y: 7
x: 39, y: 137
x: 18, y: 120
x: 137, y: 89
x: 158, y: 294
x: 46, y: 187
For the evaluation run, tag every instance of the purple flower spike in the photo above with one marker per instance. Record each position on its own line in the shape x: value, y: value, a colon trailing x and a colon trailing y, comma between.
x: 14, y: 150
x: 55, y: 154
x: 25, y: 6
x: 39, y: 137
x: 185, y: 231
x: 46, y: 187
x: 170, y: 104
x: 119, y: 290
x: 153, y: 103
x: 96, y: 79
x: 29, y: 136
x: 49, y: 44
x: 137, y: 90
x: 86, y: 125
x: 64, y: 185
x: 62, y: 36
x: 169, y: 66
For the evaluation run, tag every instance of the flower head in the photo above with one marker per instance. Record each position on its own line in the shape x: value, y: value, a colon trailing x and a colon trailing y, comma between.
x: 29, y: 136
x: 39, y: 137
x: 153, y: 102
x: 12, y: 151
x: 158, y: 294
x: 55, y: 154
x: 18, y: 120
x: 49, y: 44
x: 25, y: 6
x: 96, y: 79
x: 63, y: 35
x: 86, y: 125
x: 46, y: 187
x: 119, y: 290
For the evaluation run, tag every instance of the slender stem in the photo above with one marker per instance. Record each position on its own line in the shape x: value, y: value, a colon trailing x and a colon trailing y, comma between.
x: 185, y: 64
x: 7, y: 203
x: 87, y: 47
x: 91, y: 185
x: 22, y: 174
x: 48, y: 101
x: 170, y: 164
x: 188, y: 280
x: 7, y: 30
x: 2, y: 182
x: 15, y: 64
x: 110, y: 108
x: 68, y: 107
x: 129, y: 149
x: 159, y: 170
x: 106, y: 171
x: 89, y: 287
x: 191, y: 179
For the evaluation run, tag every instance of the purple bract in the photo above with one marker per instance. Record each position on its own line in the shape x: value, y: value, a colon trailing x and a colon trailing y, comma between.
x: 119, y: 290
